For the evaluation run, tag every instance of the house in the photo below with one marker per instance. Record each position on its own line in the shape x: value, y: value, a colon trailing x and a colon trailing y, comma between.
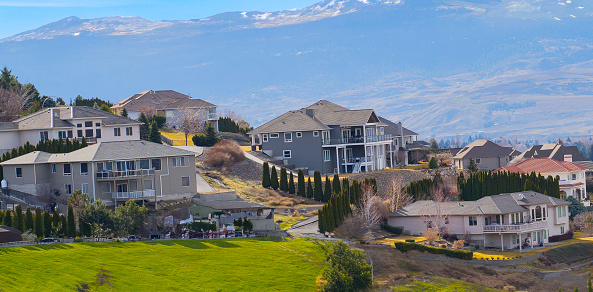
x: 9, y: 234
x: 168, y: 103
x: 111, y: 171
x: 72, y: 122
x: 486, y: 154
x: 502, y: 221
x: 556, y: 151
x: 406, y: 147
x: 572, y: 175
x: 224, y: 208
x: 329, y: 138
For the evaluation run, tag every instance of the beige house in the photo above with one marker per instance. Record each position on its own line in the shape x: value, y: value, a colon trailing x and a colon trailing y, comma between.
x: 486, y: 154
x: 504, y: 221
x: 112, y: 171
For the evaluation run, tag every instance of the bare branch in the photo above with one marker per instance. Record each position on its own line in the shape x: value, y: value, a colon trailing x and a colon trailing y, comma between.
x: 398, y: 197
x: 191, y: 120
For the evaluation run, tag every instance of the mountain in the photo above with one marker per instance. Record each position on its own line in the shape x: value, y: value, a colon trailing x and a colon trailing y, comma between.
x: 443, y: 67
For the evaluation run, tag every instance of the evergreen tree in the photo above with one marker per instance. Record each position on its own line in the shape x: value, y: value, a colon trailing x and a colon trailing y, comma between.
x: 265, y: 182
x: 283, y: 180
x: 7, y: 219
x: 83, y: 143
x: 64, y: 222
x: 354, y: 192
x: 327, y: 193
x: 589, y: 286
x: 38, y: 222
x: 47, y: 229
x: 291, y: 188
x: 56, y: 219
x: 301, y: 184
x: 274, y: 179
x: 154, y: 135
x: 19, y: 218
x: 432, y: 163
x: 71, y: 223
x: 310, y: 194
x: 318, y: 188
x: 211, y: 137
x: 336, y: 186
x: 472, y: 166
x: 144, y: 127
x: 124, y: 112
x: 29, y: 225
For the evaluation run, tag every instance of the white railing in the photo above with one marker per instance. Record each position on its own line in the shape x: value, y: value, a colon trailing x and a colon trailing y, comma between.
x: 516, y: 228
x: 136, y: 194
x: 124, y: 173
x: 357, y: 159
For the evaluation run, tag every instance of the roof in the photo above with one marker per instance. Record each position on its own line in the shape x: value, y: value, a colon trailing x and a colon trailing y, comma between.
x: 482, y: 149
x: 160, y: 99
x: 587, y: 164
x: 29, y: 158
x: 224, y: 201
x: 542, y: 165
x: 555, y: 151
x: 498, y: 204
x: 291, y: 121
x: 393, y: 128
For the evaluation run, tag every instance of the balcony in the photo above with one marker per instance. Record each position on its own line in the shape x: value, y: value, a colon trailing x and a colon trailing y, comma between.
x: 212, y: 116
x: 353, y: 160
x: 517, y: 228
x: 135, y: 194
x: 116, y: 174
x: 357, y: 140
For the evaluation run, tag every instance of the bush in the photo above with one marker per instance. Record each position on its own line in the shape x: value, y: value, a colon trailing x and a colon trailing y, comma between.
x: 346, y: 269
x: 77, y: 239
x: 225, y: 154
x: 198, y: 226
x: 565, y: 236
x: 392, y: 229
x: 454, y: 253
x: 199, y: 140
x: 410, y: 240
x: 432, y: 163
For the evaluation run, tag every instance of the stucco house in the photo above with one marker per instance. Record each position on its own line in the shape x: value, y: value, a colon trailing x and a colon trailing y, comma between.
x: 72, y: 122
x: 486, y: 154
x: 168, y: 103
x: 572, y: 175
x: 503, y: 221
x: 112, y: 171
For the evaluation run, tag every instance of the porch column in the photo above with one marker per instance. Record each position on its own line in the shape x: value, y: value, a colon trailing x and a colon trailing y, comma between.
x: 338, y: 159
x: 520, y: 243
x: 366, y: 166
x: 501, y: 241
x: 391, y: 155
x: 345, y: 161
x: 252, y: 139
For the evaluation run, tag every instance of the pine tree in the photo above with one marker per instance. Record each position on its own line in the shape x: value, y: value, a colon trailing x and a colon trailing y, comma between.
x: 56, y: 219
x: 274, y: 179
x: 47, y: 224
x: 265, y: 182
x: 589, y: 286
x: 19, y: 218
x: 327, y: 193
x: 71, y: 223
x: 318, y: 188
x: 291, y: 188
x: 7, y: 219
x: 336, y: 186
x: 29, y: 225
x: 64, y: 222
x: 154, y: 135
x: 432, y: 163
x: 144, y: 127
x: 472, y: 166
x: 124, y: 113
x: 301, y: 184
x: 283, y: 180
x: 310, y: 194
x: 83, y: 144
x: 354, y: 192
x: 38, y: 222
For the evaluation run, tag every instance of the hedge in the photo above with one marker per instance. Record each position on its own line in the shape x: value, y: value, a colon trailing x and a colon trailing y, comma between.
x: 454, y: 253
x: 392, y: 229
x: 561, y: 237
x: 410, y: 240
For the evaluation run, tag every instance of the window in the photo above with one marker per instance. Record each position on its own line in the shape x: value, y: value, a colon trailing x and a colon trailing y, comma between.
x: 545, y: 234
x: 185, y: 181
x: 116, y: 132
x: 315, y: 133
x: 287, y: 154
x: 299, y: 134
x: 79, y: 133
x: 128, y: 131
x: 106, y: 187
x: 88, y: 124
x: 19, y: 172
x: 84, y: 169
x: 79, y: 125
x: 144, y: 164
x: 70, y: 134
x: 100, y: 166
x: 53, y: 168
x: 85, y: 188
x: 287, y: 137
x: 265, y: 137
x: 67, y: 169
x: 98, y: 133
x: 180, y: 161
x: 109, y: 165
x: 44, y: 135
x: 381, y: 131
x: 561, y: 229
x: 68, y: 189
x: 478, y: 160
x: 574, y: 176
x: 473, y: 220
x: 148, y: 184
x: 88, y: 133
x: 446, y: 220
x: 97, y: 124
x: 326, y: 155
x: 325, y: 136
x: 564, y: 211
x: 62, y: 135
x: 156, y: 163
x: 274, y: 135
x: 131, y: 165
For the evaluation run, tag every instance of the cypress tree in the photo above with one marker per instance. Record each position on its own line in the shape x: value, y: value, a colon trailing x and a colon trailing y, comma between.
x: 29, y: 225
x: 320, y: 220
x: 19, y: 218
x: 274, y: 178
x: 336, y: 186
x: 283, y: 180
x: 124, y: 113
x: 7, y: 219
x: 47, y: 224
x: 71, y: 223
x: 318, y: 188
x: 327, y: 193
x: 301, y: 184
x: 38, y: 222
x: 64, y: 222
x: 144, y: 127
x: 84, y: 144
x: 266, y: 175
x: 154, y: 135
x: 291, y: 188
x: 56, y: 219
x: 309, y: 189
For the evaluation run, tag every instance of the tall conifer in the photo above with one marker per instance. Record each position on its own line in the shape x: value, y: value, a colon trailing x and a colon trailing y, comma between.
x: 291, y: 188
x: 274, y: 179
x: 301, y: 188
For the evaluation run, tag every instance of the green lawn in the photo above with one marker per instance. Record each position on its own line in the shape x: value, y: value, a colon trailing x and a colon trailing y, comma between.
x: 438, y: 284
x: 269, y: 264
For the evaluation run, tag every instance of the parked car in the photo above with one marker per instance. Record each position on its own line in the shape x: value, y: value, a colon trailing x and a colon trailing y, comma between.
x: 132, y: 238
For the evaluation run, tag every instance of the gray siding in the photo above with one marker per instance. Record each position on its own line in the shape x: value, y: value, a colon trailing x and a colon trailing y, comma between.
x: 306, y: 151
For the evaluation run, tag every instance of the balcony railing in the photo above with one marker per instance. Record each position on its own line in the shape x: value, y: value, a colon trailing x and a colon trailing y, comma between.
x: 355, y: 140
x: 136, y: 194
x: 357, y: 159
x: 524, y: 227
x: 115, y: 174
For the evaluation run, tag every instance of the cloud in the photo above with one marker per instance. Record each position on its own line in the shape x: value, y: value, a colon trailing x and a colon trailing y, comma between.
x: 61, y: 3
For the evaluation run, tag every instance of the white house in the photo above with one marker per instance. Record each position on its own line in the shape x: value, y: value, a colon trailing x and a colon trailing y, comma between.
x: 504, y: 221
x: 572, y: 175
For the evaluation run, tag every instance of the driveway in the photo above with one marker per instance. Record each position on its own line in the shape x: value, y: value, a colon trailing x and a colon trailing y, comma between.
x: 202, y: 185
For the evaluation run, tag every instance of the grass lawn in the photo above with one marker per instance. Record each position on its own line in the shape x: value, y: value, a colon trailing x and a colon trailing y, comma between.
x: 178, y: 138
x: 269, y: 264
x: 443, y: 285
x: 288, y: 221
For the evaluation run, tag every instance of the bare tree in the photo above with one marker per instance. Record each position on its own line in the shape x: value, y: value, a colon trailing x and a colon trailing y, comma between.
x: 398, y: 197
x: 13, y: 101
x: 191, y: 120
x: 435, y: 213
x: 372, y: 208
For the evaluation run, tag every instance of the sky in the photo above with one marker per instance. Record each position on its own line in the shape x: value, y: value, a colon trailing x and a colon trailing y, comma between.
x: 17, y: 16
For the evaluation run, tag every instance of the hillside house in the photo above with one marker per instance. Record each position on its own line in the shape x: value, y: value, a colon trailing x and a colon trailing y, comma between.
x: 486, y: 154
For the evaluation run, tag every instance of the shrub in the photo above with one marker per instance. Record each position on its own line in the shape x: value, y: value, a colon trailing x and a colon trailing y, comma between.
x: 274, y: 178
x: 205, y: 226
x: 454, y: 253
x: 392, y: 229
x: 458, y: 244
x: 432, y: 163
x: 431, y: 235
x: 225, y: 154
x: 565, y: 236
x: 77, y: 239
x: 410, y: 240
x: 283, y: 180
x: 346, y: 269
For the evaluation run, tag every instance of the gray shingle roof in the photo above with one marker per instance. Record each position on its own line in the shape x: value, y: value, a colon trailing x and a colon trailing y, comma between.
x: 189, y: 103
x: 555, y: 151
x: 481, y: 149
x: 29, y: 158
x: 393, y: 128
x: 8, y: 126
x: 292, y: 121
x: 160, y: 99
x: 224, y: 201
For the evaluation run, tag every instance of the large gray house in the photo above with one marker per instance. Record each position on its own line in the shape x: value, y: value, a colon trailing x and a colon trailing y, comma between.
x: 330, y: 138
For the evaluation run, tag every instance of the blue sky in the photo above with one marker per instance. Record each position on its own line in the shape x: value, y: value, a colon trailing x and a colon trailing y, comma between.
x: 20, y: 15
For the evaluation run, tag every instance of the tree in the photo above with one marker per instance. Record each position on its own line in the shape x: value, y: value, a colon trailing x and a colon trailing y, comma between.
x: 435, y: 214
x: 154, y: 135
x: 56, y: 219
x: 274, y: 179
x: 318, y: 188
x: 29, y: 225
x: 336, y: 186
x: 190, y: 120
x: 129, y: 218
x: 283, y: 180
x: 398, y: 197
x: 327, y: 193
x: 472, y: 166
x: 433, y: 144
x: 104, y: 107
x: 301, y: 184
x: 19, y: 218
x: 291, y: 189
x: 124, y: 113
x: 144, y: 127
x: 432, y: 163
x: 247, y: 224
x: 265, y: 182
x: 98, y: 218
x: 38, y: 222
x: 71, y: 223
x: 211, y: 137
x: 7, y: 219
x: 346, y: 270
x: 310, y: 194
x: 575, y: 207
x: 47, y: 229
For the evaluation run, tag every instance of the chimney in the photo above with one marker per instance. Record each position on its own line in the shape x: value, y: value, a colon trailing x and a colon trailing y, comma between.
x: 51, y: 117
x: 568, y: 158
x: 310, y: 112
x: 559, y: 142
x: 71, y: 112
